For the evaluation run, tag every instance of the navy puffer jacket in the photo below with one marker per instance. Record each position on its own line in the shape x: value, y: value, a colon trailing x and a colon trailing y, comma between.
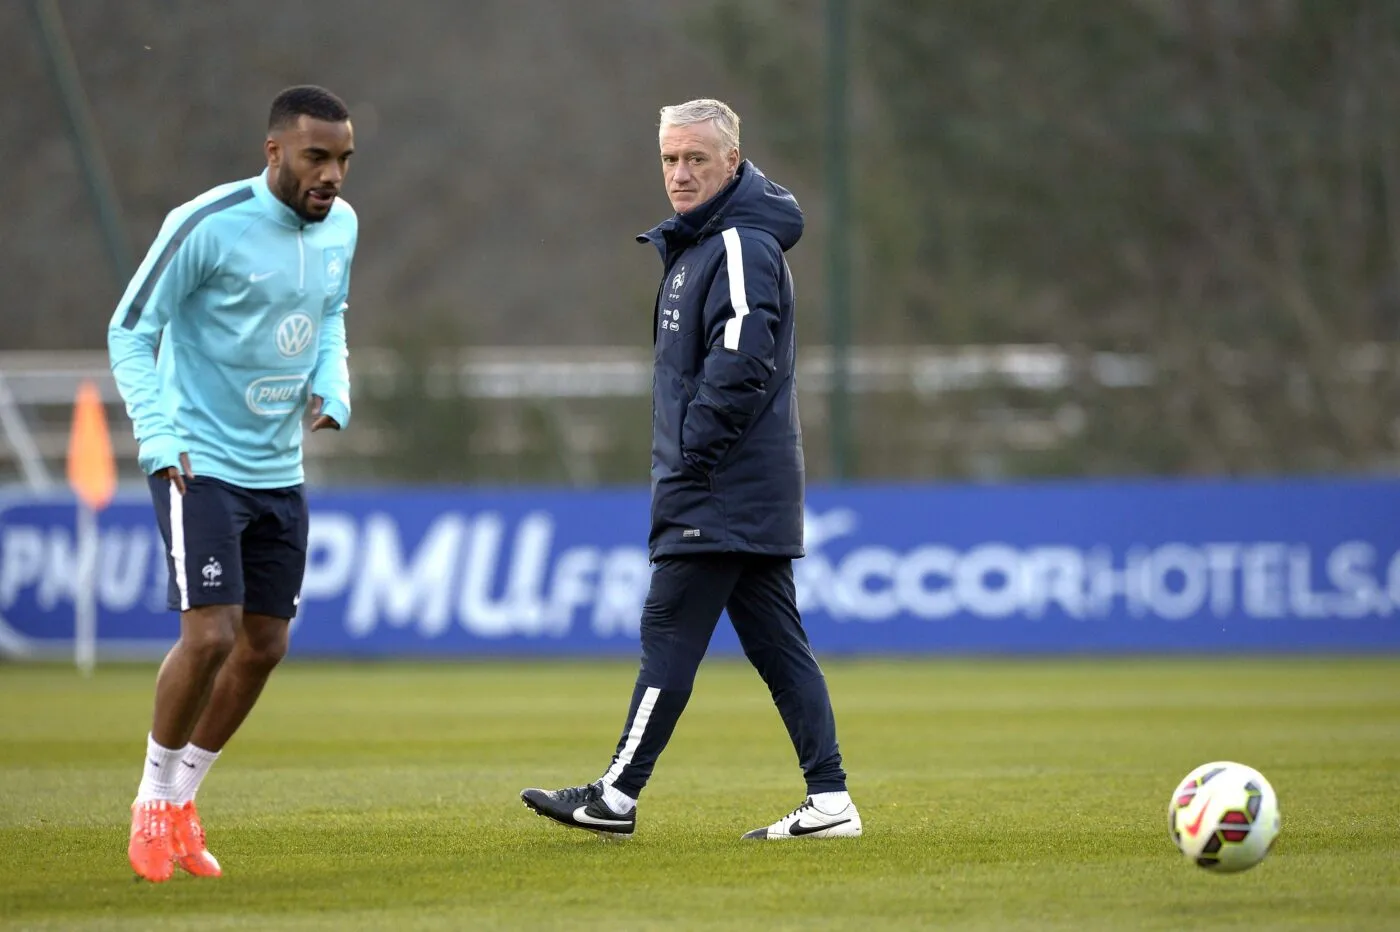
x: 727, y: 472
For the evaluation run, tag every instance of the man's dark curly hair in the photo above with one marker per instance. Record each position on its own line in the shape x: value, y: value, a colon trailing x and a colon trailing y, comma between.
x: 306, y: 100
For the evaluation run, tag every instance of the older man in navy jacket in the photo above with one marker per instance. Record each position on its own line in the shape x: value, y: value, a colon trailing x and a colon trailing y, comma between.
x: 727, y: 478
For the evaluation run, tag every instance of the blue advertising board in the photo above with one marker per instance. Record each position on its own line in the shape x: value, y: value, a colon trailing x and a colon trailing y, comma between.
x: 1037, y: 568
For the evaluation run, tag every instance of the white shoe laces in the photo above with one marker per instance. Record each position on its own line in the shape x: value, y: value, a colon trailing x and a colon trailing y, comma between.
x: 155, y: 821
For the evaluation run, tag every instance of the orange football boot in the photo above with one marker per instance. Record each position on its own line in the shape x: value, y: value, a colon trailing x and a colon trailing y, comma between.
x: 151, y: 846
x: 190, y: 852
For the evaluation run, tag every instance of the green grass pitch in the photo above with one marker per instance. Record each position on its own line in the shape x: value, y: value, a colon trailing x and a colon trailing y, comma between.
x: 997, y: 795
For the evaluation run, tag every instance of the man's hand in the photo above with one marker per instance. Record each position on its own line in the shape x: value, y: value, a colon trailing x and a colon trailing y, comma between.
x: 178, y: 476
x: 321, y: 421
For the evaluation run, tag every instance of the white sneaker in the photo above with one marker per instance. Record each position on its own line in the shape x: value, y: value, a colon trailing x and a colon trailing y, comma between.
x: 807, y: 821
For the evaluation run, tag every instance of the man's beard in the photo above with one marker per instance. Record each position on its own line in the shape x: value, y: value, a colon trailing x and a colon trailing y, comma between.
x: 289, y: 192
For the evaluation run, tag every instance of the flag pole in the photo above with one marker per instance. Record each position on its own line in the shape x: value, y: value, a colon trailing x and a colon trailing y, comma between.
x: 85, y: 598
x: 92, y: 475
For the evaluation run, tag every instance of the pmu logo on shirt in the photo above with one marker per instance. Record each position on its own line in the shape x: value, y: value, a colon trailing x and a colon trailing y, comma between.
x: 294, y: 334
x: 276, y: 395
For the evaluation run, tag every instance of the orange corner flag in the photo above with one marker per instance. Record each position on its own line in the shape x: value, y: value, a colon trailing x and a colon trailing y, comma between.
x: 92, y: 471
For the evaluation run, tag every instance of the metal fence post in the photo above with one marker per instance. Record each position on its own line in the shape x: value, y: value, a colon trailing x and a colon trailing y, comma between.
x: 838, y: 261
x: 87, y: 144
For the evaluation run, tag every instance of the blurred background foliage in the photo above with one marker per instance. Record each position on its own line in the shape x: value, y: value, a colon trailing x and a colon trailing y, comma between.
x: 1109, y: 237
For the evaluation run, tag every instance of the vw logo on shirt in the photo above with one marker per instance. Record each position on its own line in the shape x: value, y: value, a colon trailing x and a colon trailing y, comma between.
x: 294, y: 334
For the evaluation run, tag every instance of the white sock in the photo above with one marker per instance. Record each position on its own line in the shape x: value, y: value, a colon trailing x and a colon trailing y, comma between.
x: 831, y: 803
x: 617, y: 800
x: 158, y: 777
x: 194, y: 767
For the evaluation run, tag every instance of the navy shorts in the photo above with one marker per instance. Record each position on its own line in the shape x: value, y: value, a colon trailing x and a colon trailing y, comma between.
x: 227, y: 545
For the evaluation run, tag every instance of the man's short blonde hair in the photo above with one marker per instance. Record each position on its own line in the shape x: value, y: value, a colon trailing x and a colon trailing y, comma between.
x: 703, y: 110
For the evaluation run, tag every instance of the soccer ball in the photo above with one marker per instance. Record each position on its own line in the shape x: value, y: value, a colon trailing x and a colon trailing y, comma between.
x: 1224, y: 816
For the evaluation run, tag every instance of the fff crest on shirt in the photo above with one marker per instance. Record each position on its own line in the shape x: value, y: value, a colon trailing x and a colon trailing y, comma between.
x: 333, y: 267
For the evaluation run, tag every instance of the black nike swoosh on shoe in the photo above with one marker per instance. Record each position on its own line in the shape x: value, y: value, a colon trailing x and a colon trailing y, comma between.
x: 187, y: 764
x: 797, y: 829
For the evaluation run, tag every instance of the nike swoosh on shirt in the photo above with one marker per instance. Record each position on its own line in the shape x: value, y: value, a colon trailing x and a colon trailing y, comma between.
x: 261, y: 276
x: 581, y: 816
x: 797, y: 829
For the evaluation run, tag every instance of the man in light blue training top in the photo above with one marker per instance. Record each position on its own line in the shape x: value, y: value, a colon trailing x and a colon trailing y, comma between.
x: 230, y: 334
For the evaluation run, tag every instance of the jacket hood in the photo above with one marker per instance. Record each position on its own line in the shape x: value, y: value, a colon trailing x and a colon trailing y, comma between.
x: 750, y: 200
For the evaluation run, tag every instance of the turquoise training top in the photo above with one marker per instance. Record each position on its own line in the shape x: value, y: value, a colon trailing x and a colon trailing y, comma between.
x: 246, y: 302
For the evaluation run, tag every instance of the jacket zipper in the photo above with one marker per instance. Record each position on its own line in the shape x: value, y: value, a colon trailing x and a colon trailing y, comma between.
x: 301, y: 261
x: 656, y: 313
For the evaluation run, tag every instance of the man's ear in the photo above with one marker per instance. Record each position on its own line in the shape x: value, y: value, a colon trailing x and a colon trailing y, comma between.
x: 273, y: 150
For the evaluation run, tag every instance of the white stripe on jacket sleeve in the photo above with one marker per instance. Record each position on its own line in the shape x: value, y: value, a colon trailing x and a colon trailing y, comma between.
x: 734, y: 253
